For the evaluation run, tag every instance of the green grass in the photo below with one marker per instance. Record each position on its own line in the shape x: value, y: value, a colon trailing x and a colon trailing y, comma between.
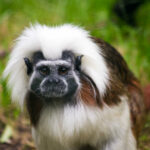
x: 94, y: 15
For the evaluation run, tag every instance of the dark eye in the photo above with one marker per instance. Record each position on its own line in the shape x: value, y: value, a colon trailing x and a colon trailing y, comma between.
x: 62, y: 70
x: 44, y: 71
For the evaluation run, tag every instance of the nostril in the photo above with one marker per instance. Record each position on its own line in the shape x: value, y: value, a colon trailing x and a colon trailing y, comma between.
x: 57, y: 80
x: 50, y: 80
x: 53, y: 80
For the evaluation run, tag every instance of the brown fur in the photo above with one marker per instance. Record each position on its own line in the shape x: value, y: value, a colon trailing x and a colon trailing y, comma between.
x: 137, y: 108
x: 146, y: 91
x: 87, y: 92
x: 34, y: 106
x: 123, y: 83
x: 87, y: 147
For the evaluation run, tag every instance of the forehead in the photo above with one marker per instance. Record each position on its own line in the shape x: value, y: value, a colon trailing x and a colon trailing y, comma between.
x: 53, y: 63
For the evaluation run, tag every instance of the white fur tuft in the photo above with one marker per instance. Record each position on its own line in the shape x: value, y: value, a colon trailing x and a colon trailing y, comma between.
x: 52, y: 41
x: 73, y: 126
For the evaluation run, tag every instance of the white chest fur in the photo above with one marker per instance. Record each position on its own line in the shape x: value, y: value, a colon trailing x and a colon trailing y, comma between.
x: 68, y: 128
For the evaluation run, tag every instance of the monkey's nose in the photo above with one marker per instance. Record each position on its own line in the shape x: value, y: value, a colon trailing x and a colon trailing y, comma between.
x: 54, y: 81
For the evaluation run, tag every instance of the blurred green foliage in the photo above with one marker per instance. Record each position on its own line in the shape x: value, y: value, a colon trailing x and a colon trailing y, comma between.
x: 95, y: 15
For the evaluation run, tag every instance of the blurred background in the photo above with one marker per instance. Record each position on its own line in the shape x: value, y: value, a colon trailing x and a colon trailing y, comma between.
x: 125, y: 24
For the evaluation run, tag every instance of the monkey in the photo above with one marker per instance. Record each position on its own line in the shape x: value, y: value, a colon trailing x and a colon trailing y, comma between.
x: 77, y: 89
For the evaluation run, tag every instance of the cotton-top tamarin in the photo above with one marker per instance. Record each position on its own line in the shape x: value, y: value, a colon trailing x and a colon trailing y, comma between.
x: 78, y: 90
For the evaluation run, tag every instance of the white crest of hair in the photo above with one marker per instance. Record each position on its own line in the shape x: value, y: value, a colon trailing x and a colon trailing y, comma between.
x: 52, y: 41
x: 57, y: 62
x: 73, y: 126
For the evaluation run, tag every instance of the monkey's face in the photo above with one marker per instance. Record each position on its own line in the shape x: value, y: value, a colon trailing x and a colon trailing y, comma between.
x: 53, y: 78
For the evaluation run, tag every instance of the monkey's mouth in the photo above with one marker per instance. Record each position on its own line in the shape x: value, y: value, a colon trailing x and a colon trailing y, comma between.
x: 53, y: 91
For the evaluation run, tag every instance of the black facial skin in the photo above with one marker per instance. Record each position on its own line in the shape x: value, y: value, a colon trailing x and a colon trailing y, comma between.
x: 53, y: 82
x: 78, y: 62
x: 29, y: 66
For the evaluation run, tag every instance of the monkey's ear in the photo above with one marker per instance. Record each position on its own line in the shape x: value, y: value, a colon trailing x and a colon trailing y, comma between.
x: 68, y: 56
x: 29, y: 65
x: 78, y: 62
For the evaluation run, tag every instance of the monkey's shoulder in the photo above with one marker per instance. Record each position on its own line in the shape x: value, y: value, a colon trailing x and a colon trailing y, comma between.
x: 115, y: 62
x: 121, y: 73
